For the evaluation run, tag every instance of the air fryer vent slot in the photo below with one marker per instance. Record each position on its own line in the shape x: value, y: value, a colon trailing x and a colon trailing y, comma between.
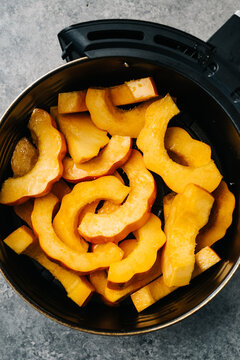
x: 115, y: 34
x: 177, y: 45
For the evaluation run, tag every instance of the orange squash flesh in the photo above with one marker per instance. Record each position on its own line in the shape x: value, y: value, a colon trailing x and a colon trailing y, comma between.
x: 72, y: 102
x: 77, y: 287
x: 114, y: 120
x: 66, y: 221
x: 128, y: 93
x: 156, y: 290
x: 220, y: 218
x: 150, y: 238
x: 193, y: 152
x: 151, y: 142
x: 55, y: 249
x: 114, y: 155
x: 24, y: 157
x: 84, y: 139
x: 47, y: 170
x: 131, y: 215
x: 111, y: 296
x: 24, y: 211
x: 60, y: 189
x: 167, y: 203
x: 189, y: 212
x: 20, y: 239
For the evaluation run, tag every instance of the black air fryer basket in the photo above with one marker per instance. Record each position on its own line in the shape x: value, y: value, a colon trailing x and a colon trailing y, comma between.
x: 205, y: 79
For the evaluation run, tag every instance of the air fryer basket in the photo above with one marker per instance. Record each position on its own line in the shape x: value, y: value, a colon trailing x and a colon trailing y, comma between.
x: 206, y: 88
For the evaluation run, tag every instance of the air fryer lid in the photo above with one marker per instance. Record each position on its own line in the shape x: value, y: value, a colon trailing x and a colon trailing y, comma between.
x: 191, y: 70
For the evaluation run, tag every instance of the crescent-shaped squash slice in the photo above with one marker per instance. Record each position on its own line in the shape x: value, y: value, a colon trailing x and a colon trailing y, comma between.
x: 150, y: 238
x: 151, y: 142
x: 131, y: 215
x: 24, y: 211
x: 78, y: 288
x: 84, y: 139
x: 56, y: 250
x: 116, y: 121
x: 189, y: 212
x: 220, y: 218
x: 128, y: 93
x: 66, y: 221
x: 24, y: 157
x: 48, y: 168
x: 157, y: 289
x: 113, y: 296
x: 114, y: 155
x: 192, y: 152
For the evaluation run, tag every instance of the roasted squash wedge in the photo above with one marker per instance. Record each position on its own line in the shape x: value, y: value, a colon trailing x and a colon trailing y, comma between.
x: 66, y: 221
x: 114, y: 155
x: 24, y: 211
x: 24, y: 157
x: 128, y: 93
x: 189, y: 212
x: 220, y: 218
x: 151, y: 142
x: 55, y: 249
x: 114, y: 120
x: 48, y: 168
x: 20, y: 239
x: 111, y: 296
x: 84, y: 139
x: 190, y: 151
x: 157, y: 289
x: 77, y: 287
x: 150, y: 238
x: 132, y: 214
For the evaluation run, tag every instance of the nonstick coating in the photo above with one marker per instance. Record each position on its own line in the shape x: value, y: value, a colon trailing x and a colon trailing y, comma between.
x: 202, y: 116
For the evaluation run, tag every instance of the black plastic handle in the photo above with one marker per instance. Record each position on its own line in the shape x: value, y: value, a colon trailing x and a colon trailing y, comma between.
x: 101, y: 38
x: 226, y: 41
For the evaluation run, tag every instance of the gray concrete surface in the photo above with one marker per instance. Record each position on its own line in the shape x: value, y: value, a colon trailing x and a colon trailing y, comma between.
x: 28, y: 49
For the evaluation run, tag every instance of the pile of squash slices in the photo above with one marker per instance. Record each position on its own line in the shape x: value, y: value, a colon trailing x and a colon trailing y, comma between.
x: 92, y: 229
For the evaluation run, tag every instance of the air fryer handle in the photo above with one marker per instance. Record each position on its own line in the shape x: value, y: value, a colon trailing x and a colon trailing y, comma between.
x: 226, y: 41
x: 95, y: 39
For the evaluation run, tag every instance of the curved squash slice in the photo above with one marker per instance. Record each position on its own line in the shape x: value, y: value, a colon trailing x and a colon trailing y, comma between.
x: 55, y: 249
x: 109, y: 159
x: 220, y: 218
x: 150, y: 239
x: 111, y: 296
x: 47, y: 170
x: 24, y: 157
x: 116, y: 121
x: 192, y: 152
x: 157, y: 289
x: 77, y: 287
x: 131, y: 215
x: 84, y: 139
x: 151, y: 142
x: 189, y: 212
x: 24, y: 211
x: 66, y: 221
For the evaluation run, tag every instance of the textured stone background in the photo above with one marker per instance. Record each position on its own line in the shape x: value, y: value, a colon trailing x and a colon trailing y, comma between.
x: 28, y: 49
